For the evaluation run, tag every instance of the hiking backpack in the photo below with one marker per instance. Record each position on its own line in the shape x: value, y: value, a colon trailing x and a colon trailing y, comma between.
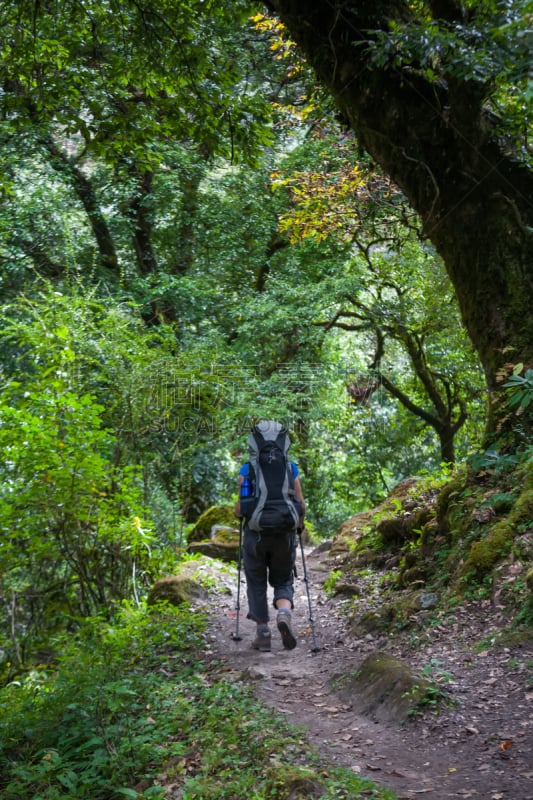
x: 272, y: 506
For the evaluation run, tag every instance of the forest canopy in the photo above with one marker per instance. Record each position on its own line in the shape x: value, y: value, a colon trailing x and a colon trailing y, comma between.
x: 213, y: 213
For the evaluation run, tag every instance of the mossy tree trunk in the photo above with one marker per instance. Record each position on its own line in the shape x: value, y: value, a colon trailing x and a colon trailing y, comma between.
x: 443, y: 148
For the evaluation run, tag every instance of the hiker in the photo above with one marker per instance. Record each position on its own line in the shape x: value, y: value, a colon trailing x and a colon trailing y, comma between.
x: 272, y: 505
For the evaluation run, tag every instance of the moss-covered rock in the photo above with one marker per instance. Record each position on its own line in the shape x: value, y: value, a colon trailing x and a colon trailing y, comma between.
x: 490, y: 550
x: 455, y: 539
x: 391, y: 529
x: 415, y: 575
x: 293, y: 783
x: 495, y: 544
x: 388, y: 526
x: 522, y: 512
x: 384, y: 688
x: 225, y: 535
x: 431, y: 538
x: 223, y: 516
x: 224, y: 547
x: 450, y: 492
x: 346, y: 589
x: 176, y: 589
x: 193, y: 582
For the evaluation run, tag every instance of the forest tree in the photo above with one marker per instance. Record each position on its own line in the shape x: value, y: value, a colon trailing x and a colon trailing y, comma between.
x: 437, y: 93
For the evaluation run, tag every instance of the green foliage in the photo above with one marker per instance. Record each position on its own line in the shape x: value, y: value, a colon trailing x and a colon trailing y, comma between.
x: 393, y: 297
x: 84, y: 425
x: 162, y: 404
x: 489, y: 551
x: 484, y: 519
x: 71, y: 521
x: 126, y: 139
x: 131, y: 711
x: 427, y: 697
x: 86, y: 730
x: 331, y: 581
x: 118, y: 78
x: 110, y: 116
x: 487, y: 48
x: 122, y: 128
x: 520, y: 394
x: 525, y: 618
x: 495, y: 461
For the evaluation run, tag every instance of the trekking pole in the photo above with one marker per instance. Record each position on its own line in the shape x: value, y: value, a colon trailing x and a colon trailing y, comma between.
x: 236, y: 637
x: 315, y: 648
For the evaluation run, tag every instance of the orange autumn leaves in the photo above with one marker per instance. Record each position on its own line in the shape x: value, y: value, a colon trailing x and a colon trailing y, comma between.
x: 323, y: 203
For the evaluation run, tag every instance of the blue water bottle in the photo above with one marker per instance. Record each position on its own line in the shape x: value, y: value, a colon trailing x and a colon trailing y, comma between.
x: 246, y: 488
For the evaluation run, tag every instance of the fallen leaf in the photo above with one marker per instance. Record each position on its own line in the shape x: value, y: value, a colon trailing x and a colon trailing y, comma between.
x: 506, y: 744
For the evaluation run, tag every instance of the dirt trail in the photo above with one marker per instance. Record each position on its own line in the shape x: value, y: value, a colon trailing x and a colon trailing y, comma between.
x: 480, y: 747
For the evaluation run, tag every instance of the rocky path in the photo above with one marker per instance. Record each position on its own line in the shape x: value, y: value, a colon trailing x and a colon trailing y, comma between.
x: 480, y: 746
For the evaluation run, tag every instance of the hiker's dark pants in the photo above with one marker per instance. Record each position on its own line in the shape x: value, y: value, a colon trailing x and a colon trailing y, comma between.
x: 268, y: 558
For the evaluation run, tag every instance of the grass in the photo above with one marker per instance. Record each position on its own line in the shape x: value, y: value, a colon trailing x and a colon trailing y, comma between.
x: 132, y: 710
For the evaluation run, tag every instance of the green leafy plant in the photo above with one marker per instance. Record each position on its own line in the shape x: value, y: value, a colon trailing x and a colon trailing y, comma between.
x: 75, y: 536
x: 520, y: 388
x: 331, y: 581
x: 430, y: 694
x: 492, y: 459
x: 427, y: 697
x: 434, y: 670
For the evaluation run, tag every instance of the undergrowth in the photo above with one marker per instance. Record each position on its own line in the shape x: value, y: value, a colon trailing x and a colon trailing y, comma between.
x: 132, y: 710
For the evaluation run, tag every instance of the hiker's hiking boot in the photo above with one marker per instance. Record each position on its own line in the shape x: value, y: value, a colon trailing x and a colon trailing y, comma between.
x: 262, y: 641
x: 284, y: 627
